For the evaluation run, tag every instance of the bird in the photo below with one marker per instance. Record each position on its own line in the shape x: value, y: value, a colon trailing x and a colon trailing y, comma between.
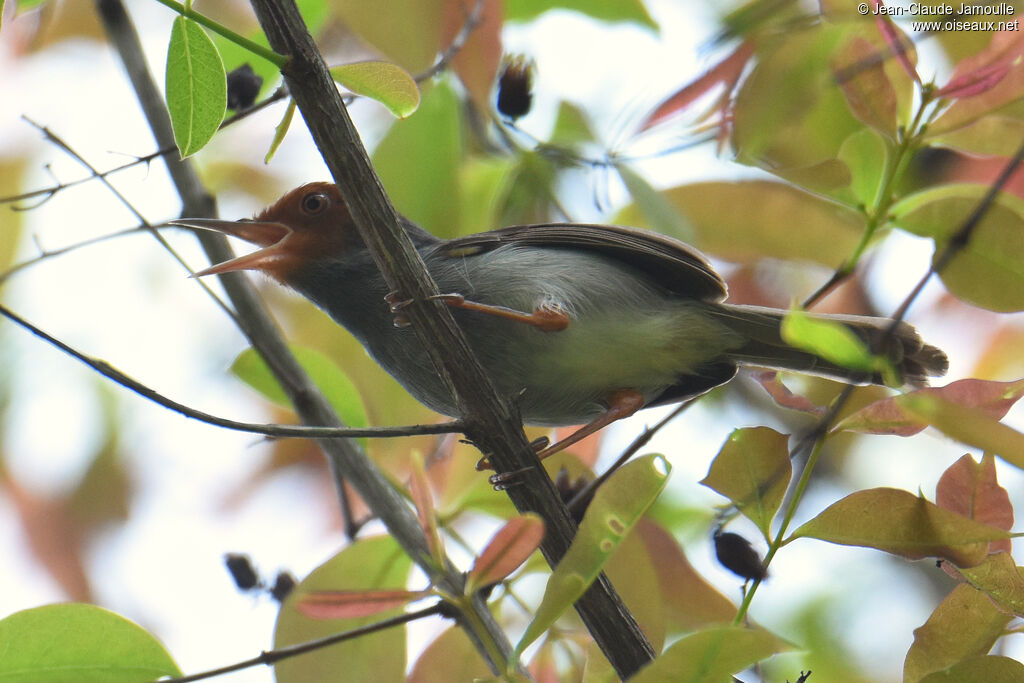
x: 582, y: 324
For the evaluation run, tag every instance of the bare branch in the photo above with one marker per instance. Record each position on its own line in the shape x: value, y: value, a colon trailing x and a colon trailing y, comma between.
x: 491, y: 420
x: 272, y: 656
x: 272, y: 430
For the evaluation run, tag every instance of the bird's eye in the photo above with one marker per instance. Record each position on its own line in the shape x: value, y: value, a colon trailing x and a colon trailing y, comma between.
x: 313, y: 203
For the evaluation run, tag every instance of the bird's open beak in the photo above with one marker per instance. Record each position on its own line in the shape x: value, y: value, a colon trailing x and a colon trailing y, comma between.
x: 268, y: 235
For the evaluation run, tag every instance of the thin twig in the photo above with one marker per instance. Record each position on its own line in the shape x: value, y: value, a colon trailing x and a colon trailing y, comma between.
x: 273, y: 656
x: 960, y: 239
x: 582, y: 499
x: 49, y: 192
x: 813, y: 440
x: 472, y: 21
x: 65, y: 147
x: 272, y: 430
x: 45, y: 254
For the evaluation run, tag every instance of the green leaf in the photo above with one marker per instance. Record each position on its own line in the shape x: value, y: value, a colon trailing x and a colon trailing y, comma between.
x: 406, y: 32
x: 280, y: 131
x: 632, y: 11
x: 335, y: 385
x: 571, y: 126
x: 388, y: 83
x: 988, y: 669
x: 450, y: 657
x: 746, y: 222
x: 197, y: 95
x: 75, y: 643
x: 903, y: 524
x: 965, y: 624
x: 374, y: 563
x: 789, y: 112
x: 864, y: 153
x: 834, y: 342
x: 658, y: 212
x: 615, y: 509
x: 989, y: 270
x: 999, y: 578
x: 431, y: 139
x: 711, y: 655
x: 753, y: 470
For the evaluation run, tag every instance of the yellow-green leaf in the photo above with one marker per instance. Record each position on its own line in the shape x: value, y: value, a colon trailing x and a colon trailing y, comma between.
x: 752, y: 470
x: 367, y: 564
x: 834, y: 342
x: 971, y: 426
x: 901, y: 523
x: 989, y: 270
x: 332, y: 381
x: 616, y: 507
x: 965, y: 624
x: 197, y: 94
x: 987, y: 669
x: 711, y: 655
x: 81, y: 643
x: 388, y: 83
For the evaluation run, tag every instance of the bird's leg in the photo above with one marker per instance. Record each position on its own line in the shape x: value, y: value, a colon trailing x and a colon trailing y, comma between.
x: 546, y: 317
x: 620, y: 404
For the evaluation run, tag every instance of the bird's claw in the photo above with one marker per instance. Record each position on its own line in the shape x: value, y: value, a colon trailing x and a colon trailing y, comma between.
x: 395, y: 304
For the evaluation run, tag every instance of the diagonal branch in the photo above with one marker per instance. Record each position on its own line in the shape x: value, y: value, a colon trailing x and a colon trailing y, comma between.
x: 272, y: 430
x: 348, y: 462
x: 491, y: 421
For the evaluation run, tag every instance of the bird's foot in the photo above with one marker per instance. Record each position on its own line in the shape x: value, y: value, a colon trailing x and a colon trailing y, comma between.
x: 395, y: 304
x: 538, y: 445
x: 620, y: 404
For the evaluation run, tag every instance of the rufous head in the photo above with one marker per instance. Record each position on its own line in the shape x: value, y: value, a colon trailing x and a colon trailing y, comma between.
x: 309, y: 222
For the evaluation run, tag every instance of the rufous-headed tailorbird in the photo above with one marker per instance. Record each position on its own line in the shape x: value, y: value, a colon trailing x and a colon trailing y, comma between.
x: 579, y: 323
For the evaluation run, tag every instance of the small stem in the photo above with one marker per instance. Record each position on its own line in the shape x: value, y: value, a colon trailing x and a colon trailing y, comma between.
x: 778, y: 542
x: 877, y: 214
x: 272, y: 656
x: 277, y: 60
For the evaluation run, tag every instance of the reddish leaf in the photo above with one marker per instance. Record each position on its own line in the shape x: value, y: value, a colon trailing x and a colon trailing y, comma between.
x: 991, y: 79
x: 54, y: 536
x: 903, y: 524
x: 897, y: 42
x: 860, y: 71
x: 476, y: 62
x: 354, y: 604
x: 975, y: 83
x: 971, y: 489
x: 690, y: 601
x: 424, y: 502
x: 970, y: 426
x: 889, y: 415
x: 782, y: 396
x: 508, y: 549
x: 726, y: 73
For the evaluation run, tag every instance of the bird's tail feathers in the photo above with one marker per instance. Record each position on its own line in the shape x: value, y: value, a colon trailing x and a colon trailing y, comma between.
x: 914, y: 360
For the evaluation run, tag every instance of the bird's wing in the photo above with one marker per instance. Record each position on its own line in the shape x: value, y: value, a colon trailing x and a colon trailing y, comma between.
x: 671, y: 264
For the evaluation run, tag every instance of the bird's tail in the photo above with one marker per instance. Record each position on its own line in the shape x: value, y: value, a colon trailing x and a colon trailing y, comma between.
x: 914, y: 360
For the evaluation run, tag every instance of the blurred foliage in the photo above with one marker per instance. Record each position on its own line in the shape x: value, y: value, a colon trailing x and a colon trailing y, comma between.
x: 842, y: 143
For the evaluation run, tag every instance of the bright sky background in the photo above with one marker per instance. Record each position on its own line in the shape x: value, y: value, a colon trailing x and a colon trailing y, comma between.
x: 126, y: 302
